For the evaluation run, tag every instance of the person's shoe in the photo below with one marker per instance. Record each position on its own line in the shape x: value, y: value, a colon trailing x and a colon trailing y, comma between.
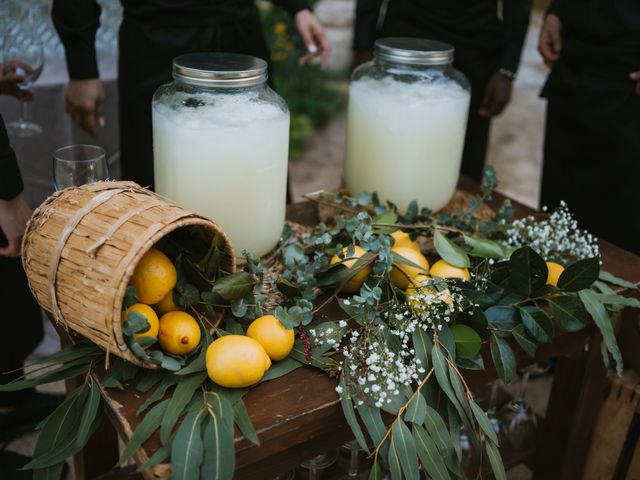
x: 25, y: 417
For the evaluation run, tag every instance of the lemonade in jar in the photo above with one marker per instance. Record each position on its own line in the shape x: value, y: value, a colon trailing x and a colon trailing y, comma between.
x: 220, y: 144
x: 406, y: 123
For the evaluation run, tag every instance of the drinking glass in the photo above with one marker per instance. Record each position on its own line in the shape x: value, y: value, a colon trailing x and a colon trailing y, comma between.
x: 76, y: 165
x: 25, y: 57
x: 519, y: 421
x: 352, y: 449
x: 313, y: 468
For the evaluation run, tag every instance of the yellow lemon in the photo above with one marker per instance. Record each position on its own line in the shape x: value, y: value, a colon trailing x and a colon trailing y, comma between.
x: 179, y: 333
x: 147, y: 312
x: 402, y: 275
x: 444, y: 269
x: 153, y: 277
x: 417, y: 303
x: 555, y: 270
x: 236, y: 361
x: 166, y: 305
x: 403, y: 240
x: 276, y: 340
x: 355, y: 283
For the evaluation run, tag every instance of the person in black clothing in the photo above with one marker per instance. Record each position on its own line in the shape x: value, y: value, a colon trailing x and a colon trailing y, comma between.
x: 21, y: 324
x: 592, y: 132
x: 487, y: 51
x: 152, y: 34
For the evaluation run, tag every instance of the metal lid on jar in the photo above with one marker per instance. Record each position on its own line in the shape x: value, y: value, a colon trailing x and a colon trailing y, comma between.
x: 220, y: 70
x: 413, y: 51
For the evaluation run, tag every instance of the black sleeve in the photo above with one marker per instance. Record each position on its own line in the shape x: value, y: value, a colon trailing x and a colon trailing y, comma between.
x: 292, y: 6
x: 515, y: 14
x: 10, y: 179
x: 555, y: 7
x: 366, y: 22
x: 76, y: 22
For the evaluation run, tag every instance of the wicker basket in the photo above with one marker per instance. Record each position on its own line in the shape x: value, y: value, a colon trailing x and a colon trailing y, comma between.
x: 82, y: 245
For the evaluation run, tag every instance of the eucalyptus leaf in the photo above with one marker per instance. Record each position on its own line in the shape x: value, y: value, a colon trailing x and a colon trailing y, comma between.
x: 447, y: 341
x: 618, y: 300
x: 610, y: 278
x: 50, y: 473
x: 416, y: 410
x: 430, y: 458
x: 70, y: 370
x: 503, y: 358
x: 149, y: 380
x: 603, y: 322
x: 376, y: 472
x: 219, y: 458
x: 149, y: 424
x: 438, y: 431
x: 537, y: 323
x: 242, y: 420
x: 528, y: 271
x: 187, y: 447
x: 423, y: 345
x: 160, y: 455
x: 130, y: 297
x: 526, y: 343
x: 393, y: 459
x: 158, y: 394
x: 405, y: 449
x: 183, y: 393
x: 496, y: 461
x: 483, y: 421
x: 136, y: 323
x: 449, y: 251
x: 579, y: 275
x: 350, y: 416
x: 372, y: 420
x: 569, y: 312
x: 283, y: 367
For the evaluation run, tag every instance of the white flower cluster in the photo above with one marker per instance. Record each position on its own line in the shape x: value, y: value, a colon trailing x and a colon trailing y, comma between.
x: 433, y: 305
x: 554, y: 238
x: 329, y: 336
x: 378, y: 372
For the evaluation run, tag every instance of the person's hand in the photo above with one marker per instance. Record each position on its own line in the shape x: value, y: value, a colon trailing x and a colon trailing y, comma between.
x: 84, y: 102
x: 10, y: 79
x: 359, y: 57
x: 314, y: 37
x: 496, y: 95
x: 14, y: 215
x: 550, y: 40
x: 636, y: 76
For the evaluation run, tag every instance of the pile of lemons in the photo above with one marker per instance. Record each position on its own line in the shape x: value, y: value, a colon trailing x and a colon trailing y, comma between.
x: 154, y: 279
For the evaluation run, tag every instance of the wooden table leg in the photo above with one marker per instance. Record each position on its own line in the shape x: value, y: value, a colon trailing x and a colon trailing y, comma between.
x: 576, y: 396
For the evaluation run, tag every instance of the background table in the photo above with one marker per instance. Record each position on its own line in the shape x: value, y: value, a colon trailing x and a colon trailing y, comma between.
x: 298, y: 416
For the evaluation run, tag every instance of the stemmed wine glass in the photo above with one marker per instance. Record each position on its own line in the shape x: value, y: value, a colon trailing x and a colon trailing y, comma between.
x: 25, y: 57
x: 77, y: 165
x: 519, y: 421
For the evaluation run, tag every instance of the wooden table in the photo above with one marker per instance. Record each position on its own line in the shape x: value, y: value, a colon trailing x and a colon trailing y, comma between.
x: 299, y: 416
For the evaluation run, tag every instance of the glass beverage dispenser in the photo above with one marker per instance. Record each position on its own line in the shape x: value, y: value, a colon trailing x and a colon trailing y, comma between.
x: 221, y: 142
x: 406, y: 123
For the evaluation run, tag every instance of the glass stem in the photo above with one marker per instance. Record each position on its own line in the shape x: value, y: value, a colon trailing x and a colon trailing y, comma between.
x: 354, y: 461
x: 523, y: 385
x: 313, y: 473
x: 23, y: 112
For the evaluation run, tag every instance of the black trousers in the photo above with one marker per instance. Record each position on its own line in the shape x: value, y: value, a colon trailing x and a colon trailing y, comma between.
x: 146, y: 53
x: 21, y: 325
x: 592, y: 161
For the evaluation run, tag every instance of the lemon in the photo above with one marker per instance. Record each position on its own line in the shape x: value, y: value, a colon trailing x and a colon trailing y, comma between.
x: 355, y: 283
x: 420, y: 295
x: 276, y: 340
x: 147, y: 312
x: 444, y: 269
x: 402, y: 275
x: 153, y: 277
x: 403, y: 240
x: 555, y: 270
x: 166, y: 305
x: 179, y: 333
x: 236, y: 361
